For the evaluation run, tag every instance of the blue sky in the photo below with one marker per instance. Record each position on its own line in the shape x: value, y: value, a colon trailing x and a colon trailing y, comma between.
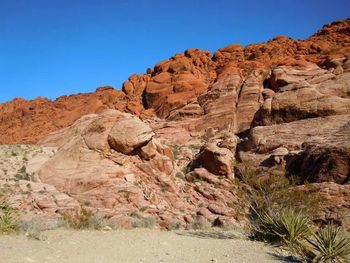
x: 51, y: 48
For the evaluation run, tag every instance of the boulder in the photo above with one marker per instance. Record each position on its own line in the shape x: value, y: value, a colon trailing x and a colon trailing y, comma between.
x: 128, y: 134
x: 216, y: 160
x: 278, y: 154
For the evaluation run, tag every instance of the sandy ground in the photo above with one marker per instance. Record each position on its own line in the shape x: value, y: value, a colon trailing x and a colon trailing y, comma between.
x: 139, y: 245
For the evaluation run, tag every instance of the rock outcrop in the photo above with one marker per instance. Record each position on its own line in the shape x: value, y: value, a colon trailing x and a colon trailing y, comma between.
x: 139, y: 176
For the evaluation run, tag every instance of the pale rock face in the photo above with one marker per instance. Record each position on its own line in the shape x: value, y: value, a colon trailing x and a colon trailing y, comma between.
x: 81, y: 166
x: 279, y: 154
x: 21, y: 187
x: 325, y: 159
x: 292, y: 135
x: 120, y: 184
x: 307, y: 93
x: 250, y: 99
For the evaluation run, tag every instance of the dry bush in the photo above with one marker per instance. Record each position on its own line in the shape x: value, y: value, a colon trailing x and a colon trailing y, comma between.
x: 84, y: 218
x: 8, y: 218
x: 139, y: 221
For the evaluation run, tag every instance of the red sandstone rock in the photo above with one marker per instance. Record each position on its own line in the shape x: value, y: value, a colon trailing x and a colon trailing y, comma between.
x: 172, y: 88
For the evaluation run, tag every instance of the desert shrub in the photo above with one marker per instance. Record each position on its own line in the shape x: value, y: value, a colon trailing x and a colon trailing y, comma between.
x: 34, y: 227
x: 287, y: 228
x: 276, y: 191
x: 281, y: 213
x: 84, y: 218
x: 329, y: 245
x: 139, y: 221
x: 199, y: 222
x: 246, y: 172
x: 175, y: 225
x: 8, y: 219
x: 100, y: 222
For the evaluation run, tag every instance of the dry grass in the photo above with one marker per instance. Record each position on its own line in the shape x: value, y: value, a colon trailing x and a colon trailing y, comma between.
x: 8, y: 219
x: 139, y: 221
x: 84, y: 218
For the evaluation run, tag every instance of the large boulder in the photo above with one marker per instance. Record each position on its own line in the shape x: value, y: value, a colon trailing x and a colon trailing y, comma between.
x: 128, y: 134
x: 216, y: 160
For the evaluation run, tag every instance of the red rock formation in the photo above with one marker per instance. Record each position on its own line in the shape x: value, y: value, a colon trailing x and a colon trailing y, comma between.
x: 234, y: 77
x: 23, y: 121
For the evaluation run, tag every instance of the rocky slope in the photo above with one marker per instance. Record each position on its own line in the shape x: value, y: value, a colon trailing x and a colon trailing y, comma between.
x: 167, y: 145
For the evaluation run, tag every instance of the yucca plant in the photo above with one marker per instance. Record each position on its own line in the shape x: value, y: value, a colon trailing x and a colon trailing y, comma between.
x: 329, y: 245
x: 287, y: 228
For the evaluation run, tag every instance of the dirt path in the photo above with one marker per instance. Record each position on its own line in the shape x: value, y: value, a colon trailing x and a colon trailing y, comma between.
x: 139, y: 245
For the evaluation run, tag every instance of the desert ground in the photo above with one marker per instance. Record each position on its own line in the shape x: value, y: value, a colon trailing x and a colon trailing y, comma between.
x: 137, y: 245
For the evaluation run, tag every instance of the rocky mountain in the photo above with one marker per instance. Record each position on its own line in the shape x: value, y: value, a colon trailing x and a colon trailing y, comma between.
x: 169, y: 145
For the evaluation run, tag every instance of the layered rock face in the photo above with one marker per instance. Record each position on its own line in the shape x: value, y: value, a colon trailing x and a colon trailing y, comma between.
x: 166, y: 146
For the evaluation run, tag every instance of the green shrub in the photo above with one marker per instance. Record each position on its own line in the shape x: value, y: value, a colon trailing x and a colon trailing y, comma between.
x: 276, y: 192
x: 329, y: 245
x: 8, y: 219
x: 288, y: 228
x: 281, y: 213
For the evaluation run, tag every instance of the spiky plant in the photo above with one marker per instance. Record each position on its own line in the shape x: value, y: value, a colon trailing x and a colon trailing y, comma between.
x: 287, y: 228
x: 329, y: 245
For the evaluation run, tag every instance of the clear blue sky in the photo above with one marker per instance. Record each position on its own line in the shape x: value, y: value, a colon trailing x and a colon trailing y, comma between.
x: 55, y: 47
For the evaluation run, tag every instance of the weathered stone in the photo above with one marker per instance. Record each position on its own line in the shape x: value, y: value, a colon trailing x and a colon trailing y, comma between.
x: 216, y: 160
x: 128, y: 134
